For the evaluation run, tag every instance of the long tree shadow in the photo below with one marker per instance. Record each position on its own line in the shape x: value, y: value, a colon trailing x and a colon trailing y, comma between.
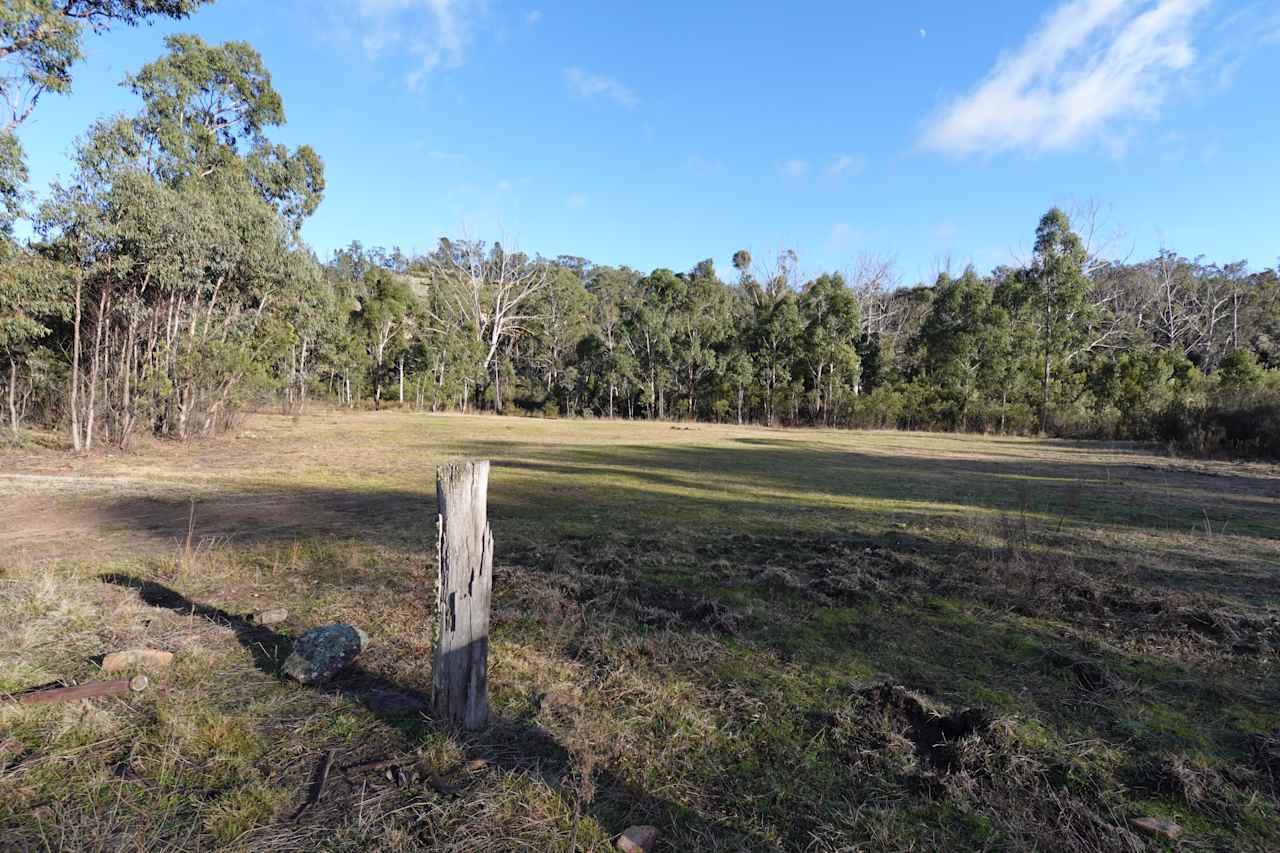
x: 509, y: 745
x: 269, y: 649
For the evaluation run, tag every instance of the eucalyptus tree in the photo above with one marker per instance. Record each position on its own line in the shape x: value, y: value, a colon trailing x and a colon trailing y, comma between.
x: 963, y: 345
x: 700, y: 322
x: 489, y: 292
x: 612, y: 289
x: 385, y: 316
x: 828, y: 348
x: 180, y: 230
x: 775, y: 336
x: 647, y: 325
x: 32, y: 299
x: 1055, y: 289
x: 562, y: 317
x: 40, y: 42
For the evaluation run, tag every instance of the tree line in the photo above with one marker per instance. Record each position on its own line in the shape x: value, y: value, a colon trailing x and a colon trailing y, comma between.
x: 1170, y: 348
x: 166, y: 286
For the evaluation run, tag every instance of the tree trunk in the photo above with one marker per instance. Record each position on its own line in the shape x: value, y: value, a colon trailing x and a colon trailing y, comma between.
x: 92, y: 405
x: 497, y: 389
x: 459, y: 677
x: 402, y: 380
x: 13, y: 394
x: 75, y: 370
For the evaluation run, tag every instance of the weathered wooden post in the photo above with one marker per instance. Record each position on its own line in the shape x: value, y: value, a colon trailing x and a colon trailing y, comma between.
x: 460, y: 677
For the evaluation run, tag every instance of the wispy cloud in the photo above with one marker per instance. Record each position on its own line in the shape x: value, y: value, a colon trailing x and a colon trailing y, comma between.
x: 794, y: 169
x: 588, y: 85
x: 1090, y: 64
x: 533, y: 16
x: 576, y: 201
x: 431, y: 34
x: 846, y: 166
x: 844, y: 236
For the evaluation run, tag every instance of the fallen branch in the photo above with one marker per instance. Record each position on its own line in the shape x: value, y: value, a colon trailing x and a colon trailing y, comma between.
x: 373, y: 766
x: 84, y: 691
x: 318, y: 786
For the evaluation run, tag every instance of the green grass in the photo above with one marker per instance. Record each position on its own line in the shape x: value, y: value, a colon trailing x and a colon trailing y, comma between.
x: 713, y: 608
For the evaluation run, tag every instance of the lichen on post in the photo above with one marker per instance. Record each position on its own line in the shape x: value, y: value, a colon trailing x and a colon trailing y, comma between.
x: 459, y: 678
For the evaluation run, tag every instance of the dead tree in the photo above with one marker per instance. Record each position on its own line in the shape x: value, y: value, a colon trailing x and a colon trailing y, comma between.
x: 459, y: 678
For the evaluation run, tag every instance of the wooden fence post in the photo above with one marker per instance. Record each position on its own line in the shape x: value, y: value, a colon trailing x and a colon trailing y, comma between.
x: 459, y: 676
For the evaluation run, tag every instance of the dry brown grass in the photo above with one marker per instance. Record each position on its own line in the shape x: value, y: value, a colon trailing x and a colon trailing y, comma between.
x: 712, y: 630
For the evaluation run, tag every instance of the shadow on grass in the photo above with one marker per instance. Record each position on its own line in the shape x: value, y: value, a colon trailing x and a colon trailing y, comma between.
x: 269, y: 649
x: 518, y: 745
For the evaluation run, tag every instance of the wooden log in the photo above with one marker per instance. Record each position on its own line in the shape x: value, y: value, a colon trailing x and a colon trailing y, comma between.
x: 84, y: 691
x: 459, y: 676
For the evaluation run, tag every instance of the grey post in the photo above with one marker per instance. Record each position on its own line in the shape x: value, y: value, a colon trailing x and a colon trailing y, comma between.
x: 460, y: 677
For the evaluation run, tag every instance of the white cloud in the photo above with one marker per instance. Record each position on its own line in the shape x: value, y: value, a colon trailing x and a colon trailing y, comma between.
x: 504, y: 186
x: 533, y: 17
x: 587, y: 85
x: 794, y: 169
x: 844, y: 236
x: 432, y: 34
x: 576, y: 201
x: 846, y: 165
x: 1090, y: 64
x: 924, y: 33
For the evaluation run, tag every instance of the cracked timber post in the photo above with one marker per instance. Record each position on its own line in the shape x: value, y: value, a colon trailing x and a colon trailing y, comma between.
x: 459, y: 676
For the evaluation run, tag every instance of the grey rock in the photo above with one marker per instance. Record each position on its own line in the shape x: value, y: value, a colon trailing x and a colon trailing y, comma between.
x: 274, y: 616
x: 638, y: 839
x: 1158, y: 827
x: 134, y: 659
x: 323, y: 652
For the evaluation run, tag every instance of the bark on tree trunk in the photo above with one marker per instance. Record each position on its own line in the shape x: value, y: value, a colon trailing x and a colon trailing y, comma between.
x: 13, y: 395
x: 75, y: 370
x: 497, y: 390
x: 459, y: 677
x: 91, y: 407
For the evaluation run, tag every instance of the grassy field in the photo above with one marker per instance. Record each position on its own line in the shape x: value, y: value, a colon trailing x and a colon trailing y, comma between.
x: 753, y: 639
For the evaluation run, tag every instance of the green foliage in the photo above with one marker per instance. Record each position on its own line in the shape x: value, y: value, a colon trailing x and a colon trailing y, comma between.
x: 185, y: 265
x: 1240, y: 372
x: 40, y: 40
x: 169, y: 284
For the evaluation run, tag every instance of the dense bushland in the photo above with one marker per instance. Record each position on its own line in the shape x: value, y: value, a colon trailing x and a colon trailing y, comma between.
x: 166, y: 285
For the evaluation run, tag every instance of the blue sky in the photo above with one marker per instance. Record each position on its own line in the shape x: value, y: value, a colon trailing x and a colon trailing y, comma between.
x: 658, y: 134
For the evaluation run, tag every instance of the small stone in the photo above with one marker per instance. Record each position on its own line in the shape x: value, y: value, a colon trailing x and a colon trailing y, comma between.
x: 274, y: 616
x: 1158, y: 827
x: 137, y: 659
x: 476, y: 765
x: 323, y: 652
x: 638, y: 839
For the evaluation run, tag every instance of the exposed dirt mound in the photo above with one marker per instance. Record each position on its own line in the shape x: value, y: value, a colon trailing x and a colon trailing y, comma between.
x: 934, y: 734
